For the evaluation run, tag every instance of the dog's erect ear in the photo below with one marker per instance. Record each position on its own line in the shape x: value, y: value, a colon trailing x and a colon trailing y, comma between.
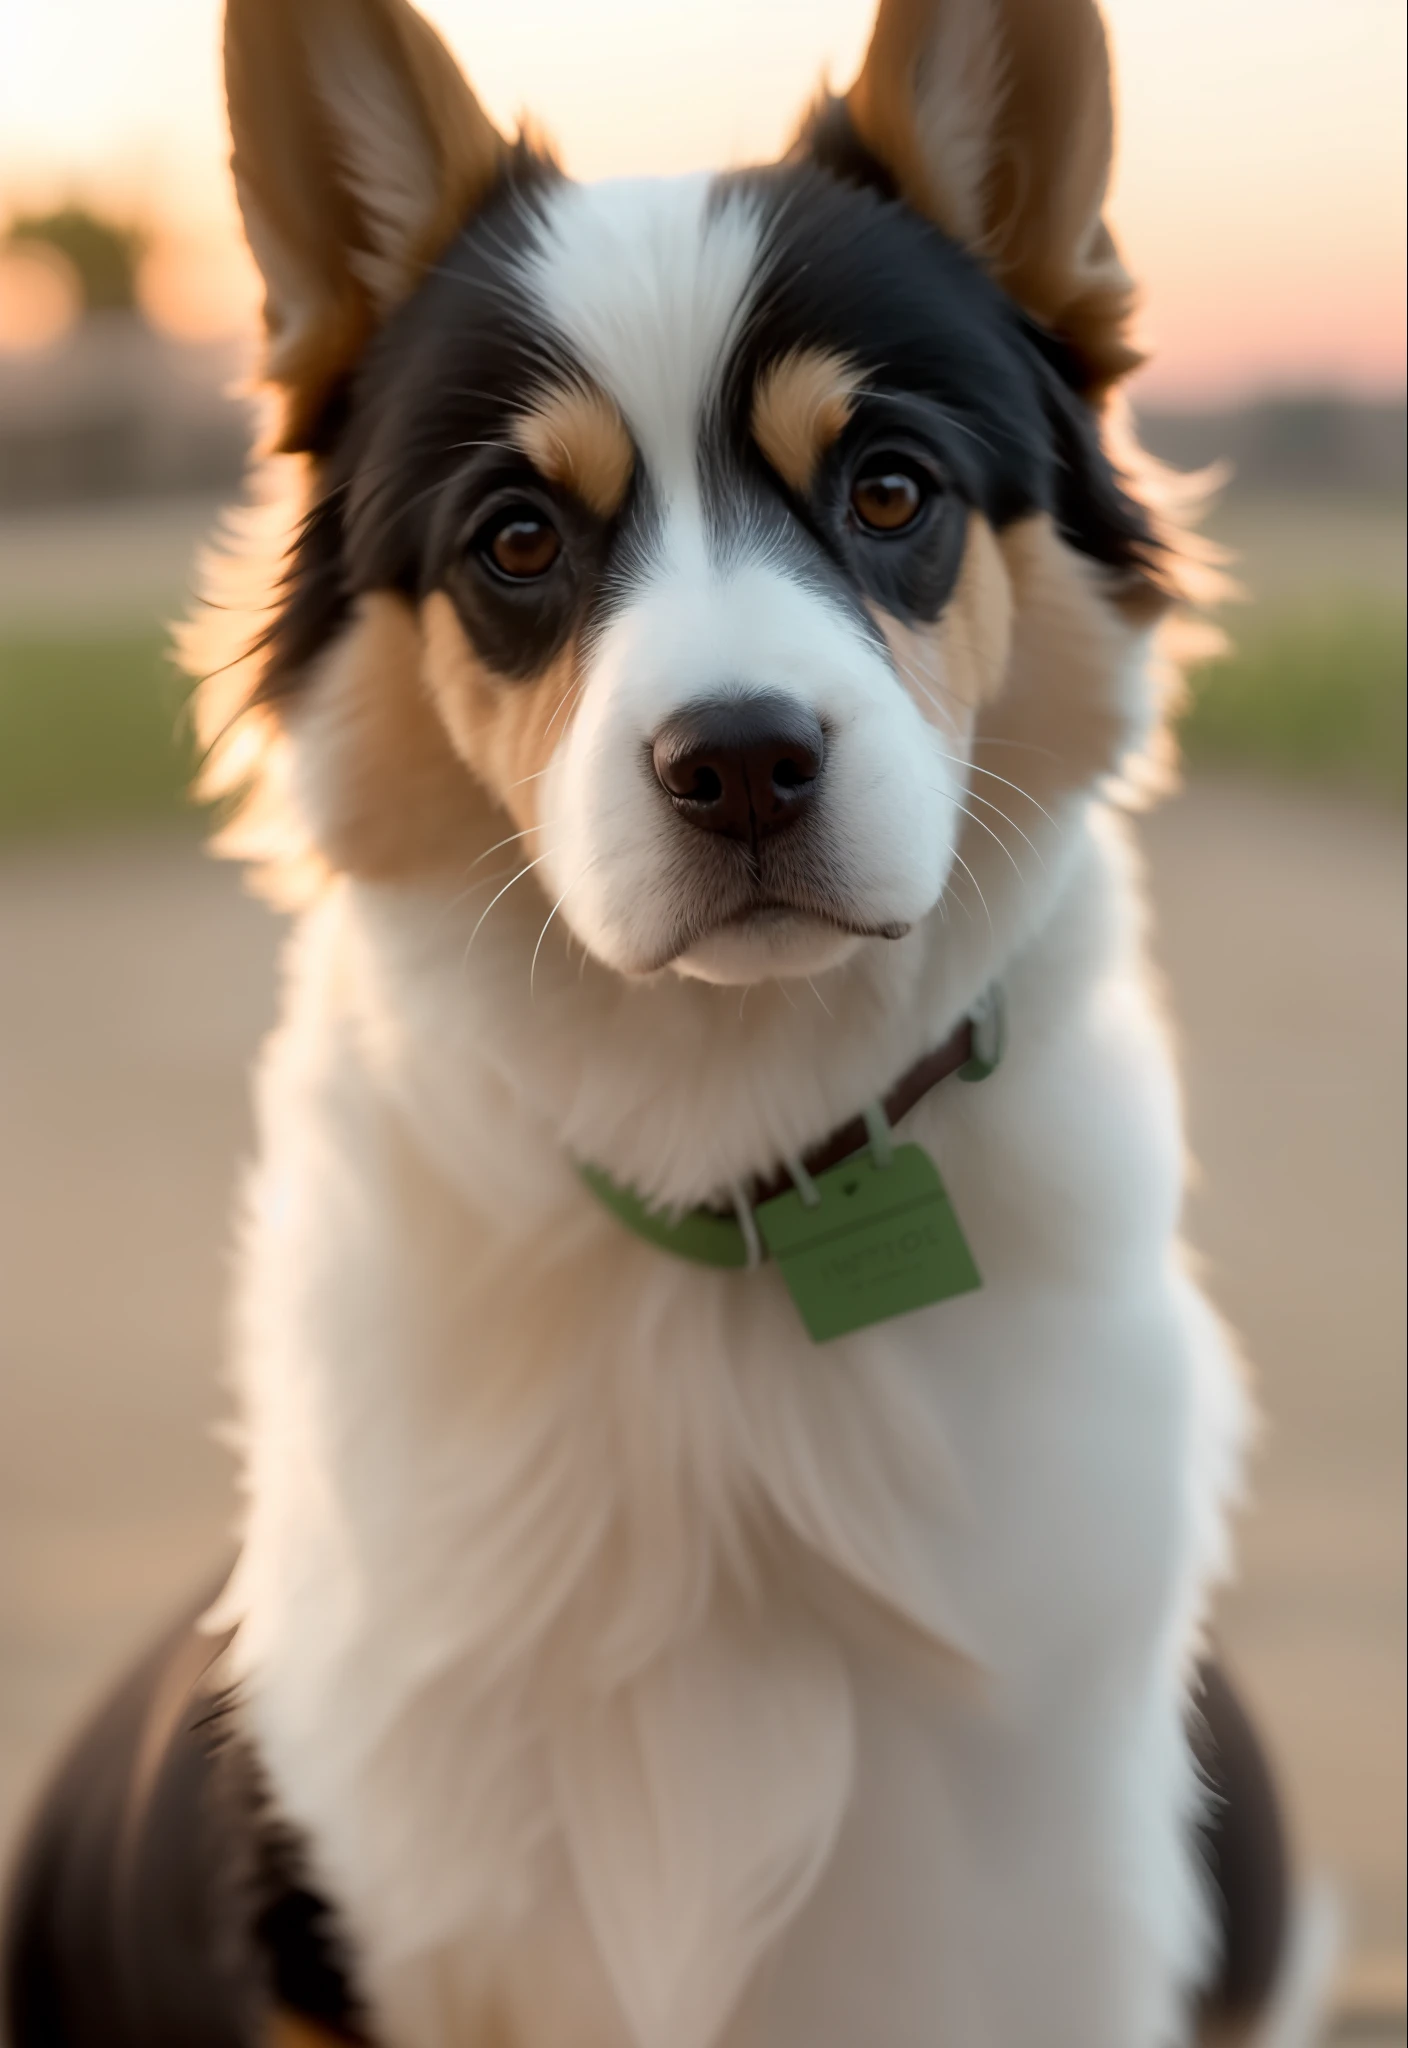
x: 358, y: 148
x: 994, y: 119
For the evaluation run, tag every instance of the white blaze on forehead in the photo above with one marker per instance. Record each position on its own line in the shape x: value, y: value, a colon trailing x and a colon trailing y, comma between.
x: 647, y: 281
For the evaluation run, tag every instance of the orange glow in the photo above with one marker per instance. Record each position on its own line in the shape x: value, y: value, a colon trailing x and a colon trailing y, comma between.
x: 40, y: 298
x: 199, y: 287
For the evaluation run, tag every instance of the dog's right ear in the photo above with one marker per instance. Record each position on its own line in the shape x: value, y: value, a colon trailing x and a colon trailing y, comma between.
x: 358, y: 149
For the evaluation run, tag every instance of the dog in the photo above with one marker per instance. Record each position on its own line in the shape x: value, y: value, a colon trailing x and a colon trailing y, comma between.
x: 735, y: 1460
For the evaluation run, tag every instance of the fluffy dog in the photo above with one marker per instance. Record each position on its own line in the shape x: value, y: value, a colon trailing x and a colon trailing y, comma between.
x: 712, y: 627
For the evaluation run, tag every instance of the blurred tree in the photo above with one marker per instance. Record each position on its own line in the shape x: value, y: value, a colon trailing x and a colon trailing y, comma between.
x: 104, y: 253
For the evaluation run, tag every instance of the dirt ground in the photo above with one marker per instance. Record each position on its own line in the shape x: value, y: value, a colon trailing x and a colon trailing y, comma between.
x: 135, y: 981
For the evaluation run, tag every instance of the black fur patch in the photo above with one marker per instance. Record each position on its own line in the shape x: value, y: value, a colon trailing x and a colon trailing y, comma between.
x: 828, y: 140
x: 1244, y: 1844
x: 158, y: 1903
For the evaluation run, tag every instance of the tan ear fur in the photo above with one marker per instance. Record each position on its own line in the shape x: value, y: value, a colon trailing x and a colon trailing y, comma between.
x: 357, y: 149
x: 994, y: 117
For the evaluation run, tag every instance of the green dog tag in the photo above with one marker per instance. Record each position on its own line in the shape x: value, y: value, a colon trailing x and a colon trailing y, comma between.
x: 880, y: 1241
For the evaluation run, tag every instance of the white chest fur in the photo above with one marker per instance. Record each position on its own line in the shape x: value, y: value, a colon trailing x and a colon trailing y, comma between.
x: 643, y: 1676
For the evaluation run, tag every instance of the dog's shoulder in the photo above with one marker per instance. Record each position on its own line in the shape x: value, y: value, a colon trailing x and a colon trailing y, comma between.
x: 157, y: 1901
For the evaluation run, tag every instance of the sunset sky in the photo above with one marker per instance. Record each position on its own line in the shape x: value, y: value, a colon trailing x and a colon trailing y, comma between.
x: 1260, y: 193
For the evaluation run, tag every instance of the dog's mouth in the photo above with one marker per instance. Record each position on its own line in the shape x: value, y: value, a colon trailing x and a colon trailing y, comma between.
x: 774, y: 914
x: 771, y: 920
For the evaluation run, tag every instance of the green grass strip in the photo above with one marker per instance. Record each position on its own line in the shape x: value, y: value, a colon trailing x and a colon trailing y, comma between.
x: 93, y: 728
x: 93, y: 731
x: 1313, y: 694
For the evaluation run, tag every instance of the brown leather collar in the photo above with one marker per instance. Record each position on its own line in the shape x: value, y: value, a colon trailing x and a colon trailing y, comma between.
x: 911, y: 1088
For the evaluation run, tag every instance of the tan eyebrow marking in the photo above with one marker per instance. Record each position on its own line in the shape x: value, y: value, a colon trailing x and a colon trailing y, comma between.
x: 802, y: 403
x: 576, y: 436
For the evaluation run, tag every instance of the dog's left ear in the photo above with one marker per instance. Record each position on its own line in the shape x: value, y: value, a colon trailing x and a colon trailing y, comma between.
x: 994, y: 119
x: 358, y: 149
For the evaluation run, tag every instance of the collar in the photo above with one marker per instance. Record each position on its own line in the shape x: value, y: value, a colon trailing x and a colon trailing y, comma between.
x: 714, y: 1237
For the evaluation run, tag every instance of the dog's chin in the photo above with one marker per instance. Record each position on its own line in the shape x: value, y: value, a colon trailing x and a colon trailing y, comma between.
x: 769, y: 944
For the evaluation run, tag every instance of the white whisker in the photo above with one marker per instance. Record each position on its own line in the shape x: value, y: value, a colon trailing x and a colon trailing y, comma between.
x: 527, y: 833
x: 569, y: 695
x: 983, y: 826
x: 533, y: 964
x: 958, y: 857
x: 502, y: 892
x: 997, y: 810
x: 972, y: 768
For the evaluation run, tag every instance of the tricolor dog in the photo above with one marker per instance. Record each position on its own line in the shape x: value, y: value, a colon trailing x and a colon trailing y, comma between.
x: 734, y: 1458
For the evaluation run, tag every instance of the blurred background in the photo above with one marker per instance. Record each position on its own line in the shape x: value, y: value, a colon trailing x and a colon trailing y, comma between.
x: 1261, y: 197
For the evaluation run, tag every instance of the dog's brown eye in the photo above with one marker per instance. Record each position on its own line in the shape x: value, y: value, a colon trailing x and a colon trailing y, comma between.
x: 886, y: 500
x: 524, y: 546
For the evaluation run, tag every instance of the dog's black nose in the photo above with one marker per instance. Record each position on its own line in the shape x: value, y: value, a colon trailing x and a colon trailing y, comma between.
x: 743, y: 766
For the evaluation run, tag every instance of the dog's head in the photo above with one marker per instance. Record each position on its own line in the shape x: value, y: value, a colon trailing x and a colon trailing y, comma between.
x: 694, y: 521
